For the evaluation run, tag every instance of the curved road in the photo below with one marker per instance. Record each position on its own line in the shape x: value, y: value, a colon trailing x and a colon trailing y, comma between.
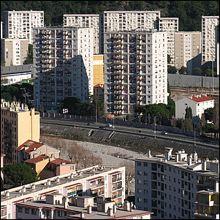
x: 142, y: 132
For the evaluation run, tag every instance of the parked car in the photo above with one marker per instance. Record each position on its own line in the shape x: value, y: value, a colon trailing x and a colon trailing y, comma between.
x: 164, y: 133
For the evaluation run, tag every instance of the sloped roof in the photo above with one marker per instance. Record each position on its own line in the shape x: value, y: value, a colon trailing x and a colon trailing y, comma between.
x: 201, y: 98
x: 31, y: 146
x: 59, y: 161
x: 36, y: 159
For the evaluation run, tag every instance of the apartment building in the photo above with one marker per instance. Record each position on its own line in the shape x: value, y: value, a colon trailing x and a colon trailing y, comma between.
x: 207, y: 204
x: 188, y: 50
x: 209, y: 24
x: 18, y: 124
x: 170, y: 25
x: 88, y: 21
x: 135, y: 70
x: 63, y: 65
x: 14, y: 51
x: 168, y: 184
x: 82, y: 207
x: 92, y: 181
x: 19, y: 24
x: 198, y: 104
x: 98, y: 69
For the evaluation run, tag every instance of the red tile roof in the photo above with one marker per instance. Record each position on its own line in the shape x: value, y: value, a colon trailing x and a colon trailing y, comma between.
x: 59, y: 161
x: 30, y: 144
x: 36, y: 159
x: 202, y: 98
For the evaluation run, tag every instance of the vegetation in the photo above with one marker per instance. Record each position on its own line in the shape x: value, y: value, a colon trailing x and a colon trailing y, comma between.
x: 18, y: 92
x: 189, y: 12
x: 29, y: 59
x: 75, y: 107
x: 172, y: 70
x: 18, y: 174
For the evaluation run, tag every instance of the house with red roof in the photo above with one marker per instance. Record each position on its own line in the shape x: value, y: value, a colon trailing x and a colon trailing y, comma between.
x: 198, y: 104
x: 32, y: 149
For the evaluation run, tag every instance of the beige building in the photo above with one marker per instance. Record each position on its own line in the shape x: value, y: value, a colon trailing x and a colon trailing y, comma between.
x: 187, y: 49
x: 20, y: 24
x: 209, y: 24
x: 98, y: 69
x: 18, y: 124
x: 14, y: 51
x: 92, y: 181
x: 170, y: 25
x: 135, y: 70
x: 88, y: 21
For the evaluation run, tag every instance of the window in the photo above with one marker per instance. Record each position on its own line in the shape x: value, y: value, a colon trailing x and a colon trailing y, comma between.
x: 19, y: 209
x: 27, y: 210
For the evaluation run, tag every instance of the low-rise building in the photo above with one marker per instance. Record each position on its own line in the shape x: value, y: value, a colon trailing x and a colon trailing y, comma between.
x: 56, y: 206
x: 92, y: 181
x: 168, y: 184
x: 207, y: 204
x: 198, y: 104
x: 14, y: 51
x: 18, y: 124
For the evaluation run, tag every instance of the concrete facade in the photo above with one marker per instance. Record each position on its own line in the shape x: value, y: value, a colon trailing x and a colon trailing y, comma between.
x: 98, y: 69
x: 19, y: 24
x: 18, y: 124
x: 99, y: 181
x: 170, y: 25
x: 167, y: 184
x: 88, y: 21
x: 187, y: 49
x: 209, y: 24
x: 135, y: 70
x: 63, y: 65
x: 14, y: 51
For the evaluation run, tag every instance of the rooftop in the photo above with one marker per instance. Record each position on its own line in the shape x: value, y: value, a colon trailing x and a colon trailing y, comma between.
x: 32, y: 145
x: 75, y: 211
x: 59, y: 161
x: 67, y: 179
x: 201, y: 98
x: 36, y: 159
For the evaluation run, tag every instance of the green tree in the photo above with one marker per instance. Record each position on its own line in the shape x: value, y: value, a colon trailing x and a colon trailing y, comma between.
x: 29, y: 59
x: 197, y: 71
x: 172, y: 70
x: 209, y: 114
x: 183, y: 70
x: 188, y: 113
x: 188, y: 125
x: 18, y: 174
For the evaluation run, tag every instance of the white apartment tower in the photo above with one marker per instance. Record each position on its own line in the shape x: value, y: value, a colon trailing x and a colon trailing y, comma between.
x: 209, y: 24
x: 170, y: 25
x: 85, y: 20
x: 167, y: 184
x: 20, y: 24
x: 135, y: 70
x: 63, y: 63
x: 187, y: 49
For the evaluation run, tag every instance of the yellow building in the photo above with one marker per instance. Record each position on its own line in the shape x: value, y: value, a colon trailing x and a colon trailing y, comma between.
x: 98, y: 69
x: 207, y: 205
x: 18, y: 124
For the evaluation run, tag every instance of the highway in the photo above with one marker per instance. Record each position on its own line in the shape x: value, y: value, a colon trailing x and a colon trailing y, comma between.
x: 142, y: 132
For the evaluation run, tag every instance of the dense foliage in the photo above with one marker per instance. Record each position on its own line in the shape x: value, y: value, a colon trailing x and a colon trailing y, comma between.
x: 18, y: 174
x: 189, y: 12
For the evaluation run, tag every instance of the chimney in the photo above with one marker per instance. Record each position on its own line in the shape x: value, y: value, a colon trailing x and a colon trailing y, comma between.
x: 82, y: 215
x: 177, y: 157
x: 149, y: 153
x: 110, y: 211
x: 114, y: 209
x: 195, y: 157
x: 217, y: 186
x: 89, y: 209
x: 189, y: 160
x: 168, y: 153
x: 204, y: 165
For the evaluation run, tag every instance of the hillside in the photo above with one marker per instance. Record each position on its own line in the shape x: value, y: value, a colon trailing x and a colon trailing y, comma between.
x: 189, y: 12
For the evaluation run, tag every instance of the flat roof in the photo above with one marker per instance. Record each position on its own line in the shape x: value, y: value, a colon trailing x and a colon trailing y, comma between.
x: 63, y: 179
x: 78, y: 15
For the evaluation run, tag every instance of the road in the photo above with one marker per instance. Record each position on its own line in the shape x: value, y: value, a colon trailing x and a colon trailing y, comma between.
x: 142, y: 132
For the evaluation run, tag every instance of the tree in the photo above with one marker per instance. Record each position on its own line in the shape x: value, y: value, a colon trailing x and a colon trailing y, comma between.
x: 29, y: 59
x: 209, y: 114
x: 183, y: 70
x: 188, y: 125
x: 129, y: 174
x: 18, y: 174
x: 188, y: 113
x: 197, y: 71
x: 168, y: 59
x: 172, y: 69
